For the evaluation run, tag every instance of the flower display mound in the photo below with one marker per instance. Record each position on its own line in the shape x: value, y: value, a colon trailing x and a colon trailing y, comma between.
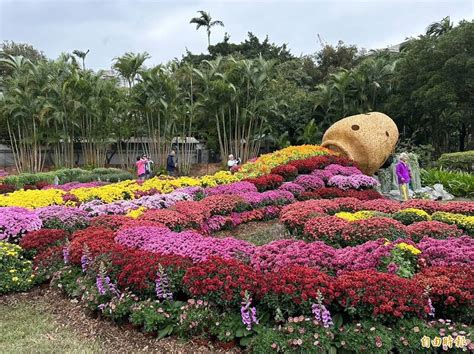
x: 265, y: 163
x: 165, y: 255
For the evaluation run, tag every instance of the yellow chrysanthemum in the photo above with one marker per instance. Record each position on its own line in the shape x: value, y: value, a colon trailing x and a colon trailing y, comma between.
x: 406, y: 247
x: 136, y: 212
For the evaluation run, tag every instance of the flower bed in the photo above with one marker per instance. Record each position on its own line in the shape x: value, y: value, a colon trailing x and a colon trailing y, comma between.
x: 361, y: 257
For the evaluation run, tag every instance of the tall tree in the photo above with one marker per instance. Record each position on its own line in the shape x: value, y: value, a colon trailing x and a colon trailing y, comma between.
x: 82, y: 55
x: 205, y: 20
x: 437, y: 29
x: 129, y: 65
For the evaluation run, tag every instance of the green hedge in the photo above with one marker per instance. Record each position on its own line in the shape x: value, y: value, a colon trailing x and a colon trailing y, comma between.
x: 459, y: 184
x: 67, y: 175
x: 463, y: 161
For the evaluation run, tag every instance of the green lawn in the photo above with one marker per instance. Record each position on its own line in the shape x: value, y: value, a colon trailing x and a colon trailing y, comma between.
x: 25, y: 327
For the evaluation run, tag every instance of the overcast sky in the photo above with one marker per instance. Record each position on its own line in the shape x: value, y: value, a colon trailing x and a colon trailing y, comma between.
x: 112, y: 27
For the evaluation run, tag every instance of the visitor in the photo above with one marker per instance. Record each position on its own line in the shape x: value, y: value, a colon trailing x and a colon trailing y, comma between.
x: 403, y: 175
x: 141, y: 169
x: 171, y: 163
x: 232, y: 162
x: 148, y: 166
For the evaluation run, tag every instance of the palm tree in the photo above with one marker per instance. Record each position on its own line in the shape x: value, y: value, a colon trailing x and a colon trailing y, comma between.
x: 129, y: 64
x: 437, y: 29
x: 82, y: 55
x: 205, y: 20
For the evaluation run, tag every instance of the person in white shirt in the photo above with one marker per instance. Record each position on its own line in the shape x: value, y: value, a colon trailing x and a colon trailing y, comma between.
x: 232, y: 161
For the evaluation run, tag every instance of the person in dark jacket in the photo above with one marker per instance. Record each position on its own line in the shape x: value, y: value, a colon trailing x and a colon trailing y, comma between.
x: 171, y: 163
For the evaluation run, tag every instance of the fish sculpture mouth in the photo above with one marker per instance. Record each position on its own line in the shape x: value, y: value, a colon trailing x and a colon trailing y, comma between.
x: 336, y: 146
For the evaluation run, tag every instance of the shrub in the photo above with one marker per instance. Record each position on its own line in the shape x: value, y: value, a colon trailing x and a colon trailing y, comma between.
x: 41, y: 239
x: 294, y: 289
x: 384, y: 296
x: 288, y: 172
x: 411, y: 215
x: 433, y: 229
x: 459, y: 183
x: 16, y: 272
x: 463, y: 161
x: 222, y: 281
x: 6, y: 188
x: 266, y: 182
x: 451, y: 290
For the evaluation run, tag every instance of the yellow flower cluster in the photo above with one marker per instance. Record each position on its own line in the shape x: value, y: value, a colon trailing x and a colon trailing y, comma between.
x: 463, y: 221
x: 16, y: 273
x: 409, y: 248
x: 112, y: 192
x: 135, y: 213
x: 265, y: 163
x: 9, y: 250
x: 32, y: 198
x: 415, y: 211
x: 125, y: 190
x: 360, y: 215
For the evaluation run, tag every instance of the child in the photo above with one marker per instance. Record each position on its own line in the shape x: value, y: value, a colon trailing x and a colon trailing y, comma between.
x: 403, y: 175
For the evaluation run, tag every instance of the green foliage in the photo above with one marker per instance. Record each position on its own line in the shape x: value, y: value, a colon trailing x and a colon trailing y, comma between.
x: 158, y: 317
x: 463, y: 161
x: 69, y: 175
x: 459, y: 184
x: 16, y: 272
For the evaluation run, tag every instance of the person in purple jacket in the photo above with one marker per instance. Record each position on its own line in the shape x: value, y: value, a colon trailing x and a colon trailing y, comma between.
x: 403, y: 175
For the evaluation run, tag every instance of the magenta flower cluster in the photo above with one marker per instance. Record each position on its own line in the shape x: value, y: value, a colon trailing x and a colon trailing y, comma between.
x: 292, y: 187
x: 309, y: 182
x: 359, y: 181
x: 15, y: 222
x: 232, y: 188
x: 448, y: 252
x: 65, y: 216
x: 186, y: 244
